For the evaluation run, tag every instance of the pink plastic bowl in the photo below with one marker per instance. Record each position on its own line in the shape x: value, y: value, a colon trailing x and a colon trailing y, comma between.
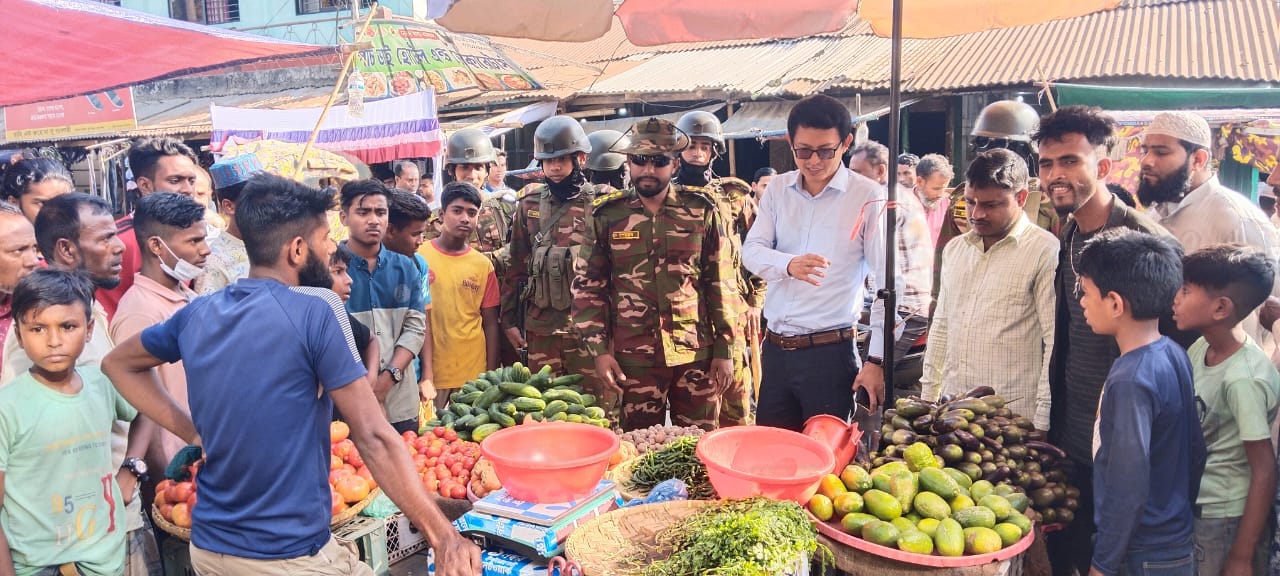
x: 745, y: 461
x: 550, y: 462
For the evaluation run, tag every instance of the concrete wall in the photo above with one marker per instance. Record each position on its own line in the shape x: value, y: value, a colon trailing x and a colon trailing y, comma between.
x: 283, y: 18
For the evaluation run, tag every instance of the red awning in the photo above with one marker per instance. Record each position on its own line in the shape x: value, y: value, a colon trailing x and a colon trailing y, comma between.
x: 60, y: 48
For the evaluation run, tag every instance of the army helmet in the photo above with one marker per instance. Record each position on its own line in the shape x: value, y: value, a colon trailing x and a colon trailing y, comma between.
x: 699, y: 124
x: 1007, y: 119
x: 469, y: 146
x: 604, y: 145
x: 557, y: 136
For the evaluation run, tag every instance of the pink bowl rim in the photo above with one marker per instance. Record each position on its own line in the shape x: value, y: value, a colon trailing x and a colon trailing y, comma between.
x: 828, y: 457
x: 532, y: 428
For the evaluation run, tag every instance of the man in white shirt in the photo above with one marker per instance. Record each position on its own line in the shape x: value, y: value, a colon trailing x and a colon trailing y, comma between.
x: 1183, y: 194
x: 994, y: 324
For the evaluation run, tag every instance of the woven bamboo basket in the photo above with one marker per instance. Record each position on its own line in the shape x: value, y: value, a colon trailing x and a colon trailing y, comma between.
x: 342, y: 518
x: 621, y: 475
x: 618, y: 543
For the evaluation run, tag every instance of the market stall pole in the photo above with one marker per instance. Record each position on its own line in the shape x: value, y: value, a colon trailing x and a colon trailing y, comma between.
x: 891, y: 205
x: 348, y: 60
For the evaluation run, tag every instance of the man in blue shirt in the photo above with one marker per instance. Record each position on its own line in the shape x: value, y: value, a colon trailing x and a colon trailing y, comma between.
x: 817, y: 235
x: 266, y: 361
x: 386, y: 296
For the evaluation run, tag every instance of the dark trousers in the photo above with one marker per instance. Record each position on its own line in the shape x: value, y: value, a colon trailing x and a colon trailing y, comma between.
x: 406, y: 426
x: 796, y: 385
x: 1072, y: 548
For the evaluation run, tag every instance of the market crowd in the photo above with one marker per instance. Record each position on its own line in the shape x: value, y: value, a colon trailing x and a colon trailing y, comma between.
x: 1132, y: 335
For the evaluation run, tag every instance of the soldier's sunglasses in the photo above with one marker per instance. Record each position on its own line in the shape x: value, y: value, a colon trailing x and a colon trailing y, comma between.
x: 657, y: 160
x: 823, y: 153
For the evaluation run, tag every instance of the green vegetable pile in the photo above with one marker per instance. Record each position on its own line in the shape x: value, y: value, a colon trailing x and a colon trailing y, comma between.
x: 677, y: 460
x: 752, y: 537
x: 504, y: 397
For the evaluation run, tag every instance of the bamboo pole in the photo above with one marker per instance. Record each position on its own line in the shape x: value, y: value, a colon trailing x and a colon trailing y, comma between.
x: 350, y: 59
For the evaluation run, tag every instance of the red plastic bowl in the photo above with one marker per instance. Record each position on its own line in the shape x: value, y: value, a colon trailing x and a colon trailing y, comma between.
x: 550, y: 462
x: 745, y: 461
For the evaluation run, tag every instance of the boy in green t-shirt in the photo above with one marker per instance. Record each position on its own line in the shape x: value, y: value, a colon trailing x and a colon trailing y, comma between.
x: 1237, y: 391
x: 61, y: 501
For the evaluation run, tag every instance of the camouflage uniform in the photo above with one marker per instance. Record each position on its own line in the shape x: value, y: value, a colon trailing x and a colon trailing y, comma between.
x: 657, y: 291
x: 1038, y: 208
x: 738, y: 209
x: 548, y: 270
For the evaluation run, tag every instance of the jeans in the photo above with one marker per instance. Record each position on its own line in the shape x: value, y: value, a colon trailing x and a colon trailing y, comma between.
x: 1214, y: 538
x: 798, y: 384
x: 1171, y: 561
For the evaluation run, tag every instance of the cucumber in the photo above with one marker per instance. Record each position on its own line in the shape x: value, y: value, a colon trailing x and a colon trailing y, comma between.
x: 460, y: 408
x: 575, y: 418
x: 577, y: 409
x: 555, y: 407
x: 464, y: 435
x: 520, y: 373
x: 447, y: 418
x: 479, y: 420
x: 529, y: 405
x: 537, y: 416
x: 558, y: 417
x: 470, y: 397
x: 508, y: 408
x: 567, y: 395
x: 567, y: 380
x: 601, y: 422
x: 499, y: 418
x: 489, y: 397
x: 540, y: 381
x: 588, y: 400
x: 469, y: 387
x: 594, y: 412
x: 463, y: 422
x: 482, y: 432
x: 520, y: 389
x: 456, y: 396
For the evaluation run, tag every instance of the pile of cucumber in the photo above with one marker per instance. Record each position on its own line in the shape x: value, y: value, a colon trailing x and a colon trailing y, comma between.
x: 505, y: 397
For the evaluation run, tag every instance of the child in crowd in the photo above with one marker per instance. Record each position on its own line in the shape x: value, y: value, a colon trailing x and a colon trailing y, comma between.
x: 464, y: 289
x: 55, y: 441
x: 1147, y: 448
x: 365, y: 343
x: 1237, y: 391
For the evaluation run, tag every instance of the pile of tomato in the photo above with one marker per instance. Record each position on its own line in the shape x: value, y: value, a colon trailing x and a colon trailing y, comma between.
x: 175, y: 500
x: 349, y: 480
x: 443, y: 461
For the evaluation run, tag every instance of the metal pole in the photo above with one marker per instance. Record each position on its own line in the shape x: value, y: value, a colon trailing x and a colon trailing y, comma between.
x: 891, y: 210
x: 349, y: 59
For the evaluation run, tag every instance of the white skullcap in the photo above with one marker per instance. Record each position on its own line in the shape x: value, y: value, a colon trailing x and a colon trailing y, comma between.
x: 1187, y: 126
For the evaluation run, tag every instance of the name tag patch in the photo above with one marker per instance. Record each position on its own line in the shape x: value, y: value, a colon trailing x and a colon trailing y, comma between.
x: 627, y: 235
x: 534, y: 214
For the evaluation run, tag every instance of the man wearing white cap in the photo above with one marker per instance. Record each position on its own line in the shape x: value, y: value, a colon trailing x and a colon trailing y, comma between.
x: 229, y: 261
x: 1184, y: 195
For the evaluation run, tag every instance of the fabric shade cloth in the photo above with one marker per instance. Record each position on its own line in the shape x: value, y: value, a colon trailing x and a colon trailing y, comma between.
x: 403, y: 127
x: 657, y: 22
x: 94, y: 47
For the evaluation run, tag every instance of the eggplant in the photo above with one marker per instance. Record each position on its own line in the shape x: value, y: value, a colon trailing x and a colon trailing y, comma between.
x: 948, y: 439
x: 998, y: 475
x: 1065, y: 515
x: 1016, y: 451
x: 1046, y: 447
x: 990, y: 442
x: 979, y: 392
x: 900, y: 423
x: 912, y: 408
x: 930, y: 441
x: 987, y: 455
x: 977, y: 430
x: 988, y: 468
x: 1031, y: 467
x: 995, y: 401
x: 974, y: 405
x: 1023, y: 422
x: 1056, y: 475
x: 946, y: 398
x: 944, y: 425
x: 967, y: 441
x: 1070, y: 503
x: 903, y: 437
x: 961, y: 413
x: 973, y: 457
x: 1013, y: 435
x: 923, y: 423
x: 1037, y: 435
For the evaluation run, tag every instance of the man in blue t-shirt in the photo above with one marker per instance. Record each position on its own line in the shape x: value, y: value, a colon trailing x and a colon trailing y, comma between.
x: 266, y: 360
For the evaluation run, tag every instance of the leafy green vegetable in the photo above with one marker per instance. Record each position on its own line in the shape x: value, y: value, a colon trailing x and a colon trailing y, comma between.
x: 678, y: 459
x: 752, y: 537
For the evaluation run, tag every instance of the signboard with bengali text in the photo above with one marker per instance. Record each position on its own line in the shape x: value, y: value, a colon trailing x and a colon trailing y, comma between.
x: 101, y: 113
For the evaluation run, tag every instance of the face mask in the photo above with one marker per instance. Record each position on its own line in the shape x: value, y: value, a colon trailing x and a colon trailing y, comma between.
x: 183, y: 271
x: 693, y: 175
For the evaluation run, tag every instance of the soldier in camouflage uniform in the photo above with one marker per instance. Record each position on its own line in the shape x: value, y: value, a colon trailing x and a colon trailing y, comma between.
x: 548, y: 232
x: 1004, y: 124
x: 468, y: 155
x: 654, y: 304
x: 738, y: 211
x: 607, y: 168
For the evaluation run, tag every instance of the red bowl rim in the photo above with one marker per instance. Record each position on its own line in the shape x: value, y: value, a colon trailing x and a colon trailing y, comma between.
x: 533, y: 427
x: 829, y: 458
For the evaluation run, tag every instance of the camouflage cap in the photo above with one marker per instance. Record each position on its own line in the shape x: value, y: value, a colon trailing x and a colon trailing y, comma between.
x: 655, y: 136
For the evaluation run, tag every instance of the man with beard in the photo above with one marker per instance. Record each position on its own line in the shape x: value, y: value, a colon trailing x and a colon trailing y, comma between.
x: 994, y: 324
x: 738, y: 212
x: 262, y: 412
x: 386, y: 296
x: 1183, y: 195
x: 547, y: 236
x: 606, y: 167
x: 18, y: 257
x: 1075, y: 144
x: 75, y: 232
x: 655, y: 303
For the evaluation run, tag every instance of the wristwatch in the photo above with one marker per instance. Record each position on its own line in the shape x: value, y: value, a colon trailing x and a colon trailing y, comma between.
x: 875, y: 360
x: 137, y: 466
x: 396, y: 374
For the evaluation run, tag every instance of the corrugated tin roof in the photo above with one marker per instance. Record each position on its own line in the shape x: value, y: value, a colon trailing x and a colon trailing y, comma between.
x: 1215, y: 39
x: 612, y: 46
x: 1171, y: 39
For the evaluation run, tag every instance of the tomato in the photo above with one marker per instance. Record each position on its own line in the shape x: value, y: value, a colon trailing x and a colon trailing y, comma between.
x: 432, y: 461
x: 334, y: 475
x: 409, y: 435
x: 431, y: 484
x: 355, y: 460
x: 338, y: 431
x: 450, y: 435
x: 444, y: 489
x: 442, y: 471
x: 456, y: 469
x: 458, y: 491
x: 468, y: 462
x: 439, y: 431
x: 433, y: 450
x: 179, y: 492
x: 335, y: 462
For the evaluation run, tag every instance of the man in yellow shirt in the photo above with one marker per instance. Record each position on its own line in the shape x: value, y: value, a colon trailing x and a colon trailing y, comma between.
x: 464, y: 295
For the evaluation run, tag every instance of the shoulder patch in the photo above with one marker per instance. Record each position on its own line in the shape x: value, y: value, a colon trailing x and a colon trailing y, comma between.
x: 531, y: 190
x: 731, y: 183
x: 607, y: 198
x: 700, y: 193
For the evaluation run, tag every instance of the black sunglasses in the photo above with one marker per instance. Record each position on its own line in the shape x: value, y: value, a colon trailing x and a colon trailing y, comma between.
x: 657, y: 160
x: 983, y: 143
x: 823, y: 153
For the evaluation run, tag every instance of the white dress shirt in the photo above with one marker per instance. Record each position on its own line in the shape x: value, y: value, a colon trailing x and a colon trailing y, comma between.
x: 995, y: 318
x: 845, y: 224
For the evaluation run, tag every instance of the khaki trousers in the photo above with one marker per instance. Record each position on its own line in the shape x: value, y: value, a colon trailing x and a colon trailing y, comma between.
x: 332, y: 560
